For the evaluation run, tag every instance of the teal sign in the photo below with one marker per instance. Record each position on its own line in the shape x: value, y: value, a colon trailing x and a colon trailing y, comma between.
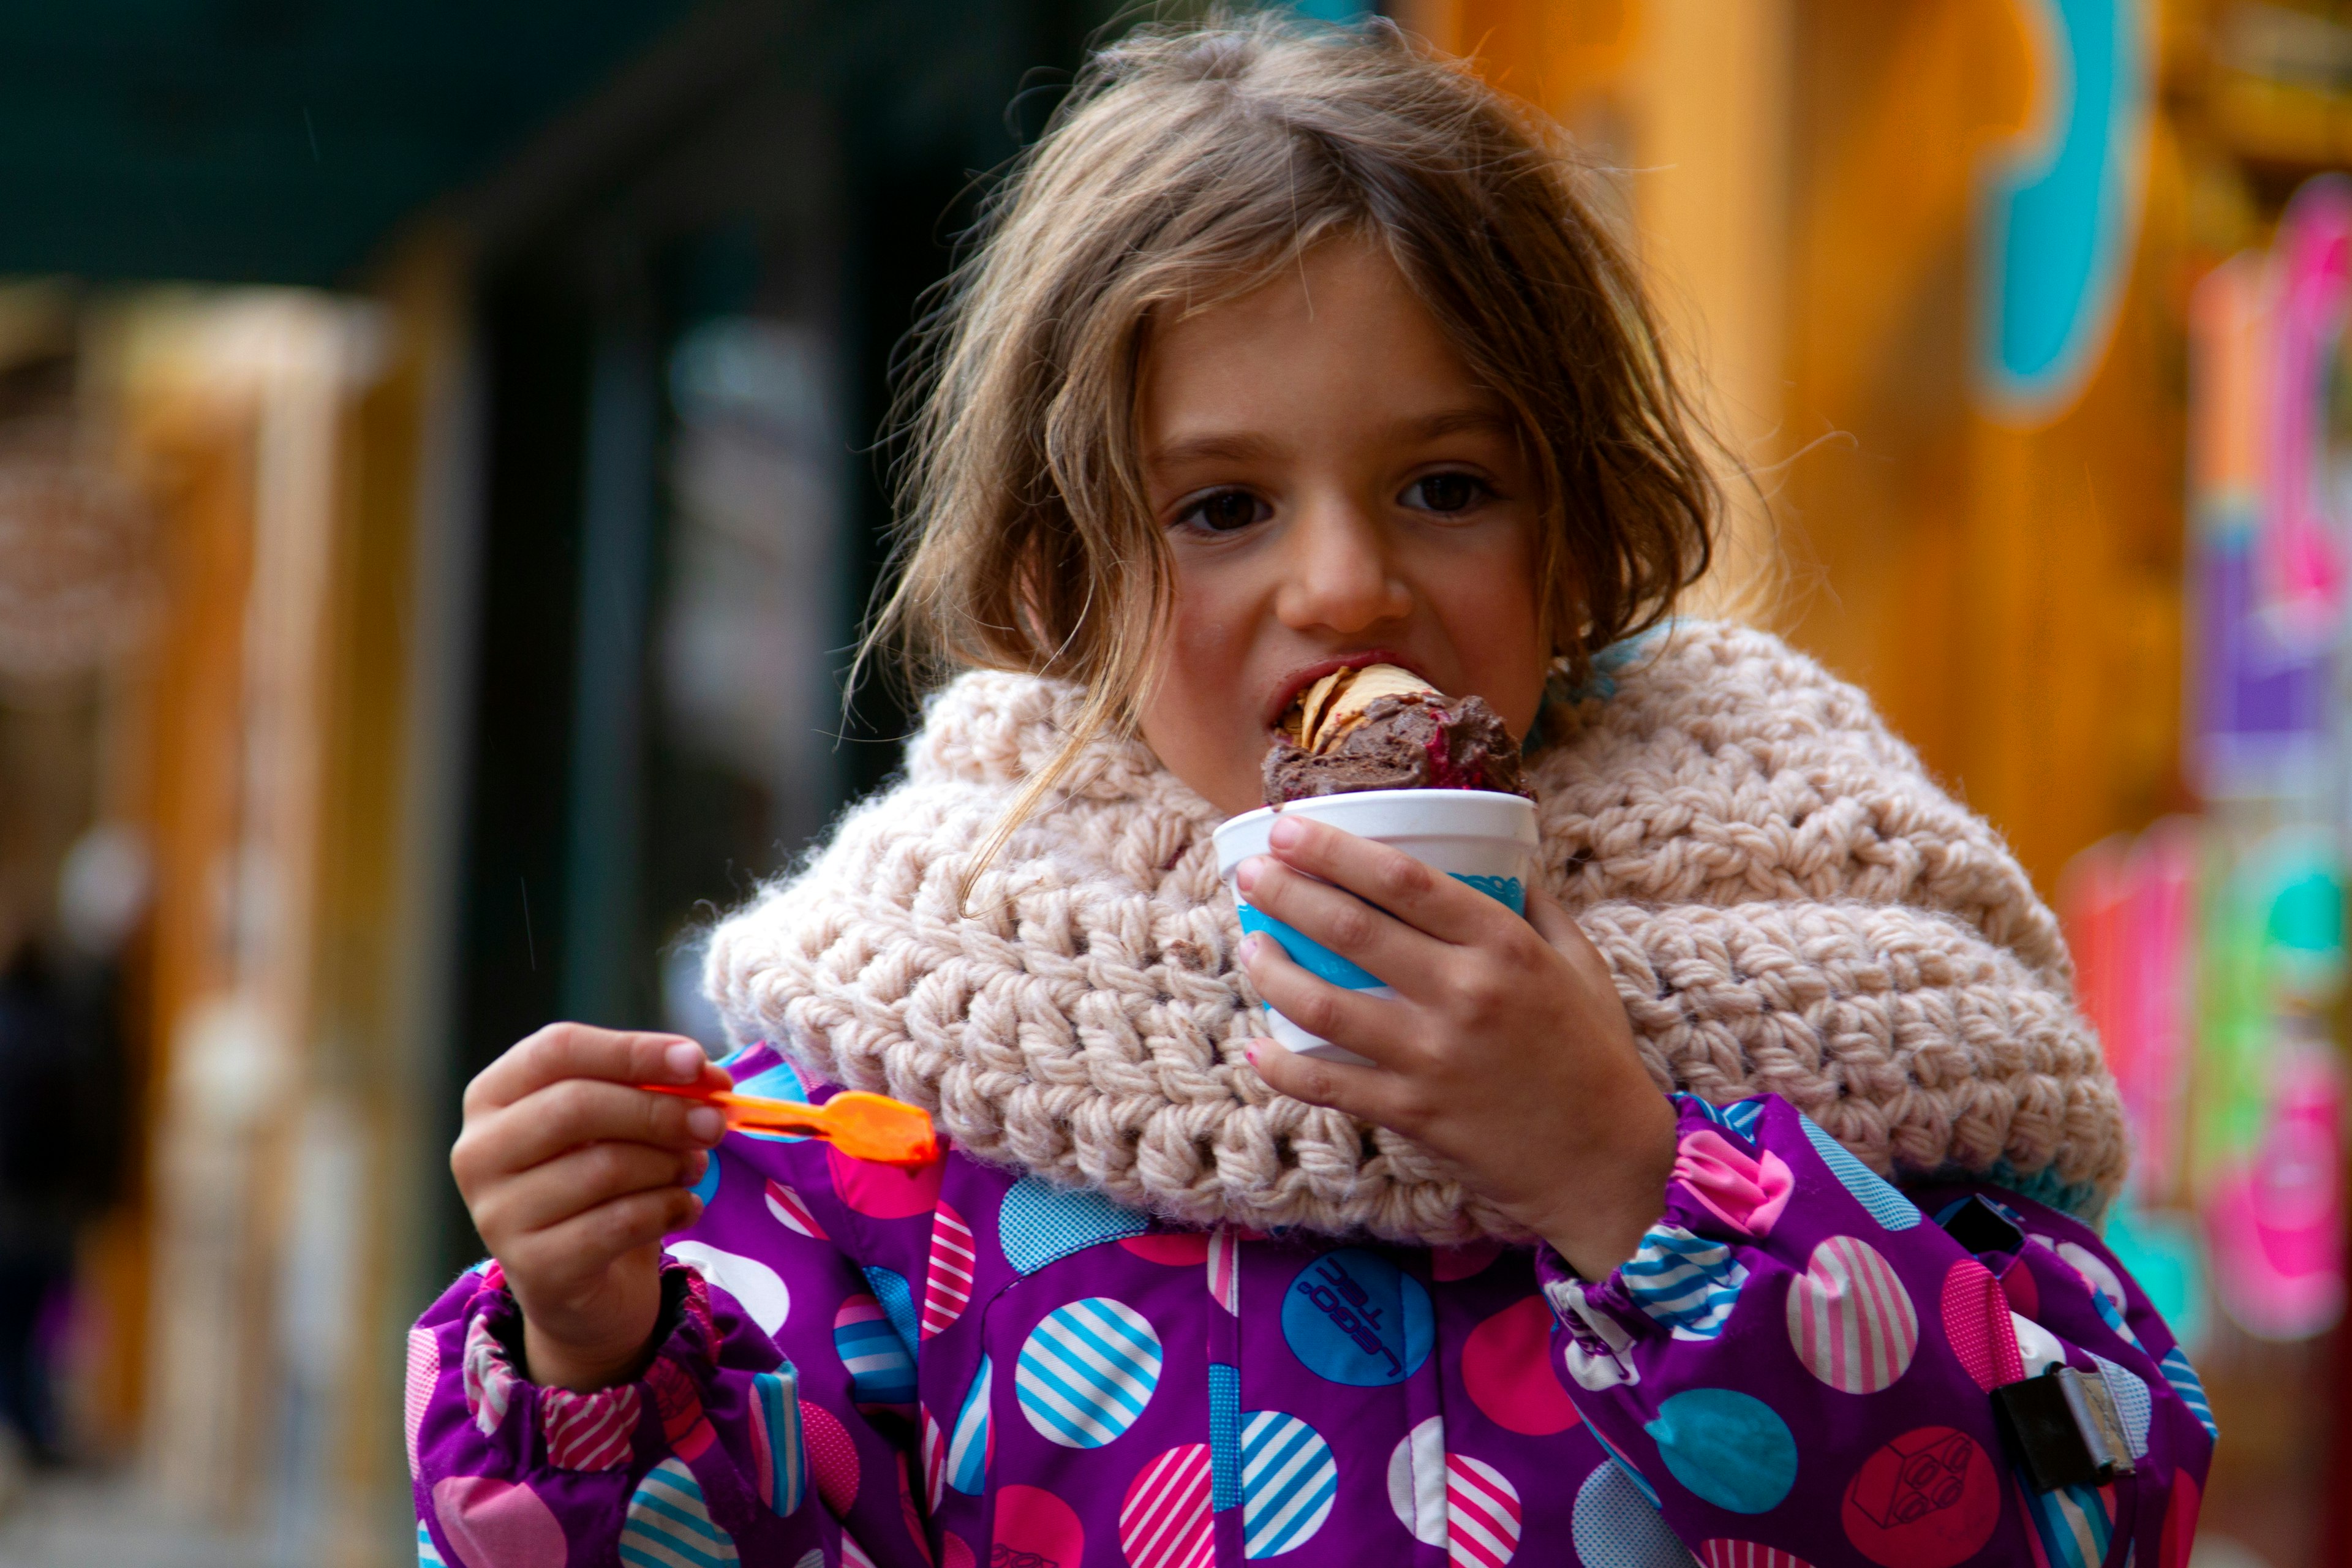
x: 2062, y: 208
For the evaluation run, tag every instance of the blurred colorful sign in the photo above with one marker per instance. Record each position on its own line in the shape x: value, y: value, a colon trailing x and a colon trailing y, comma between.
x: 2236, y: 1093
x: 2266, y: 1154
x: 2267, y: 553
x: 2303, y: 572
x: 2062, y: 207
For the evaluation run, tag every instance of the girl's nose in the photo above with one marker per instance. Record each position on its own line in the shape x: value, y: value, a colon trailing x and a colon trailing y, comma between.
x: 1337, y: 573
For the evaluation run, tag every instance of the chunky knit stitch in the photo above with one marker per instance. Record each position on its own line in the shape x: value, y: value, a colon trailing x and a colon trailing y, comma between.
x: 1787, y: 900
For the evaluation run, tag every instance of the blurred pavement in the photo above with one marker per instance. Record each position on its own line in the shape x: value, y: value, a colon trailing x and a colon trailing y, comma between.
x: 77, y: 1518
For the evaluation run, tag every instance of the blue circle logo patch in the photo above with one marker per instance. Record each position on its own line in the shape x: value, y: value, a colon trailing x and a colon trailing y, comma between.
x: 1353, y: 1316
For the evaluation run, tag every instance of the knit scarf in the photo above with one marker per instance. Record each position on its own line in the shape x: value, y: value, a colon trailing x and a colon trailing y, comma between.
x: 1788, y: 902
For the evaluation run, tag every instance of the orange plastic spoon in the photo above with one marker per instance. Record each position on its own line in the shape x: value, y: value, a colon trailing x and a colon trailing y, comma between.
x: 861, y: 1125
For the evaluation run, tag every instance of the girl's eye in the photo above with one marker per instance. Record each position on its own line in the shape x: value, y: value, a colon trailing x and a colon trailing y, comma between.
x: 1224, y: 511
x: 1445, y: 493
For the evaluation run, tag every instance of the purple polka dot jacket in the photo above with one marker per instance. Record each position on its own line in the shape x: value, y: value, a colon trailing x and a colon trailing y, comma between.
x: 960, y: 1365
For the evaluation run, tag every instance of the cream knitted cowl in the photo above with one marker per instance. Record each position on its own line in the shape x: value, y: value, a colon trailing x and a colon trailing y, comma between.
x: 1789, y: 903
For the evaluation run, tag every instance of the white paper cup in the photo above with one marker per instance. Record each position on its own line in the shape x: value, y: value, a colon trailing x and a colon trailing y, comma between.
x: 1483, y: 838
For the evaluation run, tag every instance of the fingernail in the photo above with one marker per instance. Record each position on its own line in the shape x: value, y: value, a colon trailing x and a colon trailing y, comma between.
x: 1247, y: 874
x: 1249, y: 947
x: 705, y: 1124
x: 683, y: 1061
x: 1284, y: 833
x: 1249, y: 1052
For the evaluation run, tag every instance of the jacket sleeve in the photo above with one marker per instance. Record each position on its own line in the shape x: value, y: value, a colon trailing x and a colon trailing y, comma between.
x: 706, y: 1458
x: 1803, y: 1359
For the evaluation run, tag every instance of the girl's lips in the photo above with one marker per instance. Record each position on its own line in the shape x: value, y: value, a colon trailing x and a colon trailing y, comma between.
x: 1307, y: 675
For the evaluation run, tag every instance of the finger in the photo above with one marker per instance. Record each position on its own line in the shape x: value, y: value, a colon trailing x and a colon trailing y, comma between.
x: 1371, y: 939
x: 1368, y: 1094
x: 583, y: 1245
x: 1418, y: 894
x: 1371, y: 1027
x: 581, y: 1051
x: 574, y: 1182
x: 585, y: 1111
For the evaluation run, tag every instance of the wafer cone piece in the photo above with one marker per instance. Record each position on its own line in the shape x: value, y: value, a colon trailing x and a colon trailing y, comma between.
x: 1344, y: 707
x: 1311, y: 702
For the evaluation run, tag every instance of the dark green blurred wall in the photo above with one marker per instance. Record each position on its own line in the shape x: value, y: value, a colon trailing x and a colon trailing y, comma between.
x: 271, y: 141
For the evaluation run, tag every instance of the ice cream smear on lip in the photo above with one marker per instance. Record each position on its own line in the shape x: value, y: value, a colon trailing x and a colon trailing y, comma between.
x: 1380, y: 727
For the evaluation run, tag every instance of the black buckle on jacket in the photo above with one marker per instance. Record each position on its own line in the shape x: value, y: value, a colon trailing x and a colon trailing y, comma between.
x: 2063, y: 1430
x: 1980, y: 1228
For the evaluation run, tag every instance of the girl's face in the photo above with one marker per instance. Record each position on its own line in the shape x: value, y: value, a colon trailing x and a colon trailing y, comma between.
x: 1336, y: 490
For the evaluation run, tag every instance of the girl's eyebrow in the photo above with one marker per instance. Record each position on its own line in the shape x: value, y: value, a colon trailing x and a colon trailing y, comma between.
x: 1477, y: 417
x: 1239, y: 446
x: 1243, y: 446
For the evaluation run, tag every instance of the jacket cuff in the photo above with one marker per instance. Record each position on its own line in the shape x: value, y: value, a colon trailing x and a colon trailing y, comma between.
x: 595, y: 1430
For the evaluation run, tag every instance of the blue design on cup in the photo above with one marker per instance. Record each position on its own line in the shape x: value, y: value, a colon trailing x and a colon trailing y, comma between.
x: 1309, y: 954
x: 1506, y: 891
x: 1326, y: 965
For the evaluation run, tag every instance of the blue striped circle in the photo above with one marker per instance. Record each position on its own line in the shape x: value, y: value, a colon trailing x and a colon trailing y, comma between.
x: 668, y: 1524
x: 2073, y: 1523
x: 2183, y: 1378
x: 967, y: 1460
x: 776, y: 1408
x: 1086, y: 1372
x: 880, y: 1370
x: 1288, y: 1481
x: 1740, y: 1116
x: 1687, y: 1283
x: 427, y: 1554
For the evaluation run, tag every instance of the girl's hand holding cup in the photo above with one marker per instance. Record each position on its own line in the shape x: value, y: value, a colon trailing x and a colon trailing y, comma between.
x: 1505, y: 1048
x: 574, y: 1176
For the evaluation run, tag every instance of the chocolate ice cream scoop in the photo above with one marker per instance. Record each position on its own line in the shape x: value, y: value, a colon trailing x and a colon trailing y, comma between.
x: 1380, y: 727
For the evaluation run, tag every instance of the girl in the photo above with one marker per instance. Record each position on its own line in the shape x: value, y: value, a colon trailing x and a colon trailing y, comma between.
x: 1288, y: 350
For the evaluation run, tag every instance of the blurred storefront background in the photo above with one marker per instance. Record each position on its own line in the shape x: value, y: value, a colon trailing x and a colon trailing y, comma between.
x: 437, y: 493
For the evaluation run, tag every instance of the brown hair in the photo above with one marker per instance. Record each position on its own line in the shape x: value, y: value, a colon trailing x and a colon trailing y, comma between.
x: 1188, y: 166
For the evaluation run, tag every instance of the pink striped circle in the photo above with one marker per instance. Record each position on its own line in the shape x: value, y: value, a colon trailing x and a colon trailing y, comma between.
x: 1721, y: 1553
x: 1850, y: 1319
x: 1164, y: 1523
x: 792, y: 1211
x: 1481, y: 1514
x: 934, y: 1457
x: 1224, y: 1268
x: 947, y: 1283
